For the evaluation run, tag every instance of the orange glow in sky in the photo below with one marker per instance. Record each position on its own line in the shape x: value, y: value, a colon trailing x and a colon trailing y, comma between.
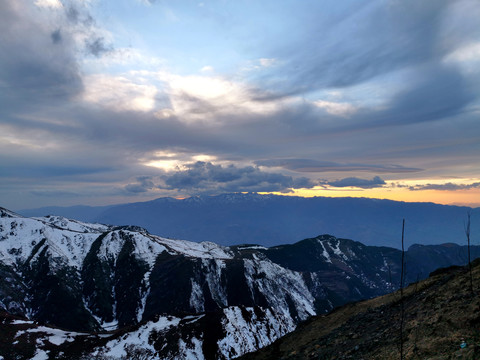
x: 466, y: 197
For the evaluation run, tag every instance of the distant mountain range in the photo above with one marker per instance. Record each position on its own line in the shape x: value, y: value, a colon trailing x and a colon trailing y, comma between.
x: 76, y: 290
x: 270, y: 220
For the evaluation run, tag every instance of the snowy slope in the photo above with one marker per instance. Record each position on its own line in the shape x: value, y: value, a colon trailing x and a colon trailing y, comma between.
x: 110, y: 278
x: 162, y: 298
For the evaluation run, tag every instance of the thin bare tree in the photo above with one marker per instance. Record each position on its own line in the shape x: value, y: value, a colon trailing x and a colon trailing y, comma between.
x: 402, y: 308
x: 467, y: 233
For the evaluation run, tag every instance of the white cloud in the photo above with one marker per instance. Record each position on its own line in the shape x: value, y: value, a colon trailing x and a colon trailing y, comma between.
x: 265, y: 62
x: 196, y: 98
x: 119, y: 93
x: 55, y: 4
x: 203, y: 157
x: 207, y: 69
x: 170, y: 161
x: 467, y: 57
x: 126, y: 57
x: 336, y: 108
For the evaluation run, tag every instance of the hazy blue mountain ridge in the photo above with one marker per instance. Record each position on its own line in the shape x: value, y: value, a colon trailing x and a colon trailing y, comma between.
x: 270, y: 220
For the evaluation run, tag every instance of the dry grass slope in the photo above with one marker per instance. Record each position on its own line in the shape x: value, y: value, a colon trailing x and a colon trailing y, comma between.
x: 440, y: 313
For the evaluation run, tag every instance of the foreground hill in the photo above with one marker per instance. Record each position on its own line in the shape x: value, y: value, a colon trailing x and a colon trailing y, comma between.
x: 71, y: 290
x: 440, y: 313
x: 269, y: 220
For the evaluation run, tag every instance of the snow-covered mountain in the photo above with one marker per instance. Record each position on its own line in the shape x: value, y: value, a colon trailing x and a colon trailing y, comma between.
x: 115, y: 291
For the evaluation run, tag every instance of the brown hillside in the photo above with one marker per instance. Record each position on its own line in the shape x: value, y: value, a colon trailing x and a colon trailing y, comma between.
x: 440, y: 313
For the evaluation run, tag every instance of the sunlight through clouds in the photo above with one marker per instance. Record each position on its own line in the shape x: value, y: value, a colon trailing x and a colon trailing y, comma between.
x: 48, y: 3
x: 118, y: 93
x: 360, y: 93
x: 195, y: 98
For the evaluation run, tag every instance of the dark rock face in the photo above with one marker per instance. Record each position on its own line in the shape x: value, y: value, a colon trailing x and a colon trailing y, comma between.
x: 207, y: 298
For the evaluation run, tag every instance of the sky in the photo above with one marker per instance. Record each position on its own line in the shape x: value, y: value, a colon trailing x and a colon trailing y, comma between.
x: 105, y: 102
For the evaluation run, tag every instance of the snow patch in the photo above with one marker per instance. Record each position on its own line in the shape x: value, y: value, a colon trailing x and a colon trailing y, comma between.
x: 212, y: 268
x: 72, y: 225
x: 146, y: 249
x: 206, y: 249
x: 111, y: 246
x: 22, y: 322
x: 40, y: 355
x: 193, y: 352
x: 116, y: 348
x: 52, y: 335
x: 337, y: 251
x: 276, y: 284
x: 252, y: 247
x: 197, y: 299
x: 325, y: 253
x: 244, y: 336
x: 20, y: 236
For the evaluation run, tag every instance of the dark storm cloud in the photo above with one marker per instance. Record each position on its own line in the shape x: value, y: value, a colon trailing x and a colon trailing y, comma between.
x: 358, y: 183
x: 34, y: 67
x: 143, y: 184
x: 39, y: 65
x: 207, y: 177
x: 448, y: 186
x: 308, y: 165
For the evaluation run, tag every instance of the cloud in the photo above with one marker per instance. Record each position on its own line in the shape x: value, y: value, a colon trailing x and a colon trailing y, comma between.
x: 467, y: 57
x: 436, y: 93
x: 207, y: 98
x: 118, y: 93
x: 42, y: 46
x: 97, y: 46
x: 48, y: 3
x: 74, y: 107
x: 207, y: 69
x: 357, y: 182
x: 336, y: 108
x: 35, y: 67
x: 56, y: 36
x: 143, y: 184
x: 447, y: 186
x: 265, y: 62
x: 55, y: 193
x: 207, y: 177
x: 39, y: 168
x: 386, y: 37
x: 85, y: 31
x: 309, y: 165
